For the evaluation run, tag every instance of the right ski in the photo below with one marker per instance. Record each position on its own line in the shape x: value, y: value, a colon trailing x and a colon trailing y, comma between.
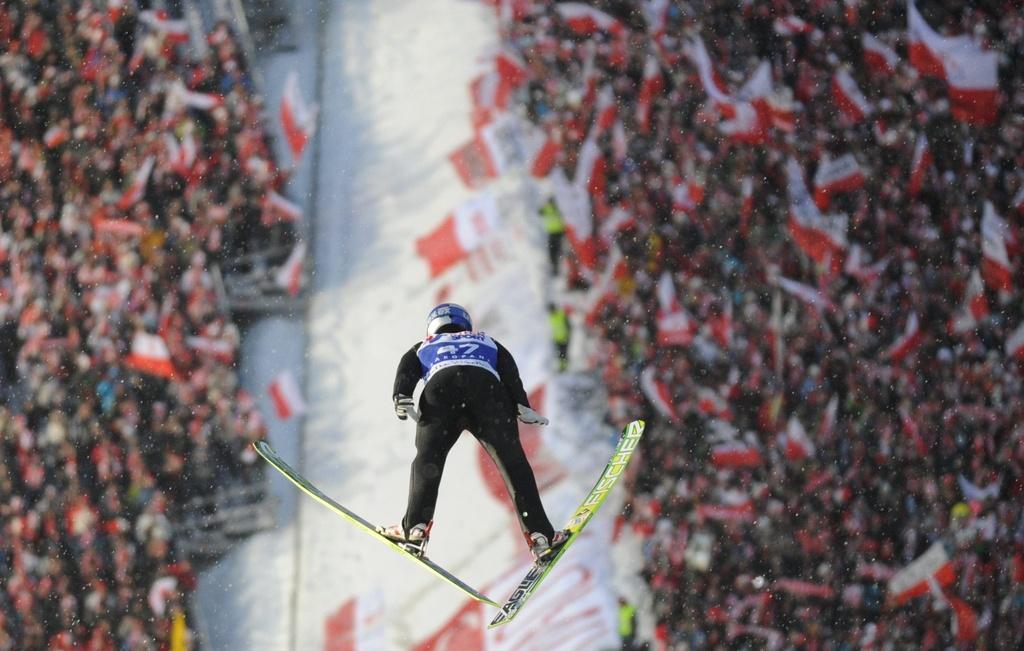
x: 616, y: 466
x: 306, y: 487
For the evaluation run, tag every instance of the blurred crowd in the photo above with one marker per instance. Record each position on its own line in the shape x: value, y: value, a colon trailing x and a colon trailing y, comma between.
x: 800, y: 450
x: 132, y: 160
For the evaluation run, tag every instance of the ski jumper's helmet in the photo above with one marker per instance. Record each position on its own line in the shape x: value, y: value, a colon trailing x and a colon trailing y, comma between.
x: 448, y: 317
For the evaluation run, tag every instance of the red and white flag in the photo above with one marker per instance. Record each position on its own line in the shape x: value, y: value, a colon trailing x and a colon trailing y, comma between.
x: 180, y: 155
x: 879, y: 57
x: 746, y: 124
x: 118, y: 227
x: 482, y: 159
x: 974, y: 306
x: 618, y: 220
x: 711, y: 403
x: 822, y: 238
x: 995, y: 262
x: 298, y: 120
x: 586, y: 20
x: 796, y: 445
x: 543, y: 153
x: 286, y: 396
x: 605, y: 109
x: 133, y: 194
x: 792, y: 26
x: 735, y: 506
x: 799, y: 588
x: 782, y: 110
x: 573, y: 202
x: 55, y: 137
x: 1018, y: 200
x: 914, y: 579
x: 835, y: 175
x: 910, y: 428
x: 675, y: 326
x: 919, y: 165
x: 855, y: 266
x: 658, y: 394
x: 848, y: 98
x: 809, y: 295
x: 196, y: 100
x: 159, y: 21
x: 289, y: 276
x: 735, y: 454
x: 911, y: 338
x: 698, y: 54
x: 278, y: 208
x: 470, y: 225
x: 511, y: 68
x: 1015, y: 344
x: 219, y: 349
x: 149, y: 354
x: 926, y: 48
x: 651, y: 86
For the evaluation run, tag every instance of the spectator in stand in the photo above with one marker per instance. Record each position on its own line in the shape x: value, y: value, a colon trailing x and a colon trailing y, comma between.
x: 818, y: 436
x: 127, y: 169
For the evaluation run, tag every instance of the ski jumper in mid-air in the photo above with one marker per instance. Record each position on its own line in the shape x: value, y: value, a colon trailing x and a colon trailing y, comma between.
x: 472, y: 383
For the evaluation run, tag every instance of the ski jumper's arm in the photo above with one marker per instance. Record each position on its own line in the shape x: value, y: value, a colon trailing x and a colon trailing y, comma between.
x: 409, y: 373
x: 509, y: 374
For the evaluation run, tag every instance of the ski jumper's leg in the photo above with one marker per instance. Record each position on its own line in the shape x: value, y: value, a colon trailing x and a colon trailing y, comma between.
x: 437, y: 431
x: 494, y: 425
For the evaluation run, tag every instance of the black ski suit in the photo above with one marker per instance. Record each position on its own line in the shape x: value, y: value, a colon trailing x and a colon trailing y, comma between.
x: 470, y: 398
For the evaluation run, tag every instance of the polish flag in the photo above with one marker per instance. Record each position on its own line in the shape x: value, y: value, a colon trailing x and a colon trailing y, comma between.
x: 620, y: 143
x: 746, y: 202
x: 298, y: 120
x: 995, y: 263
x: 821, y: 237
x: 573, y: 202
x: 511, y: 68
x: 181, y: 156
x: 910, y: 428
x: 848, y: 98
x: 973, y: 77
x: 843, y: 174
x: 490, y: 93
x: 926, y: 47
x: 829, y: 419
x: 149, y: 354
x: 698, y: 54
x: 782, y: 111
x: 618, y: 220
x: 651, y: 86
x: 919, y: 165
x: 799, y: 588
x: 115, y: 9
x: 911, y: 338
x: 734, y: 507
x: 710, y: 403
x: 1018, y: 200
x: 590, y: 167
x: 118, y: 227
x: 878, y: 56
x: 586, y: 20
x: 965, y: 620
x: 543, y: 154
x: 855, y: 266
x: 134, y: 193
x: 470, y: 225
x: 193, y: 99
x: 219, y: 349
x: 482, y: 159
x: 914, y: 579
x: 735, y: 454
x: 286, y: 396
x: 278, y: 208
x: 745, y: 126
x: 974, y: 307
x: 796, y: 445
x: 687, y: 194
x: 605, y: 109
x: 173, y: 30
x: 1015, y: 344
x: 793, y: 26
x: 55, y: 137
x: 675, y: 326
x: 809, y: 295
x: 289, y: 276
x: 658, y: 394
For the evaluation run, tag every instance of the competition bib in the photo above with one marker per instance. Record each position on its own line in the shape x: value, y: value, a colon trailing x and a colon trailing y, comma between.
x: 458, y: 349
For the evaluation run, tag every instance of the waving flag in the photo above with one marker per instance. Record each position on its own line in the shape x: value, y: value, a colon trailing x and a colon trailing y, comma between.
x: 878, y: 56
x: 911, y: 338
x: 974, y: 306
x: 277, y: 208
x: 573, y: 202
x: 286, y: 396
x: 848, y: 98
x: 835, y: 175
x: 807, y: 294
x: 1015, y: 344
x: 657, y: 394
x: 133, y: 194
x: 734, y: 506
x: 149, y: 354
x: 913, y: 580
x: 792, y: 26
x: 919, y: 165
x: 653, y: 83
x: 483, y: 158
x: 821, y: 237
x: 995, y: 263
x: 465, y: 229
x: 172, y: 30
x: 194, y: 99
x: 735, y: 454
x: 289, y: 276
x: 675, y: 326
x: 796, y: 445
x: 298, y: 120
x: 586, y: 20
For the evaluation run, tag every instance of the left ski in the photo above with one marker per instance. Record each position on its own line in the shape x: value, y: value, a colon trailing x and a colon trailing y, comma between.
x: 623, y: 451
x: 308, y: 488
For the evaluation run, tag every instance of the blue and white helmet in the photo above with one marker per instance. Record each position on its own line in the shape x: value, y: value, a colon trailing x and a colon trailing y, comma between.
x: 448, y: 317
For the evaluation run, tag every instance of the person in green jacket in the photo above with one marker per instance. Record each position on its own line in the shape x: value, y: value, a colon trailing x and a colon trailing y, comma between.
x: 559, y: 321
x: 627, y: 624
x: 554, y: 226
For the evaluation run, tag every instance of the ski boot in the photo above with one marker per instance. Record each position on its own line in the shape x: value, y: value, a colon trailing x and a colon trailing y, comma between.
x: 414, y: 542
x: 543, y: 549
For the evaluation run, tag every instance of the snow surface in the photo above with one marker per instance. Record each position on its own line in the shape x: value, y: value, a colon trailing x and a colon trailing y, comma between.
x: 394, y: 104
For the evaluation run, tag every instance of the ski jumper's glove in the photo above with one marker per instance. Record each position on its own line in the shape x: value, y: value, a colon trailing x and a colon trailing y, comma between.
x: 403, y: 407
x: 530, y: 417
